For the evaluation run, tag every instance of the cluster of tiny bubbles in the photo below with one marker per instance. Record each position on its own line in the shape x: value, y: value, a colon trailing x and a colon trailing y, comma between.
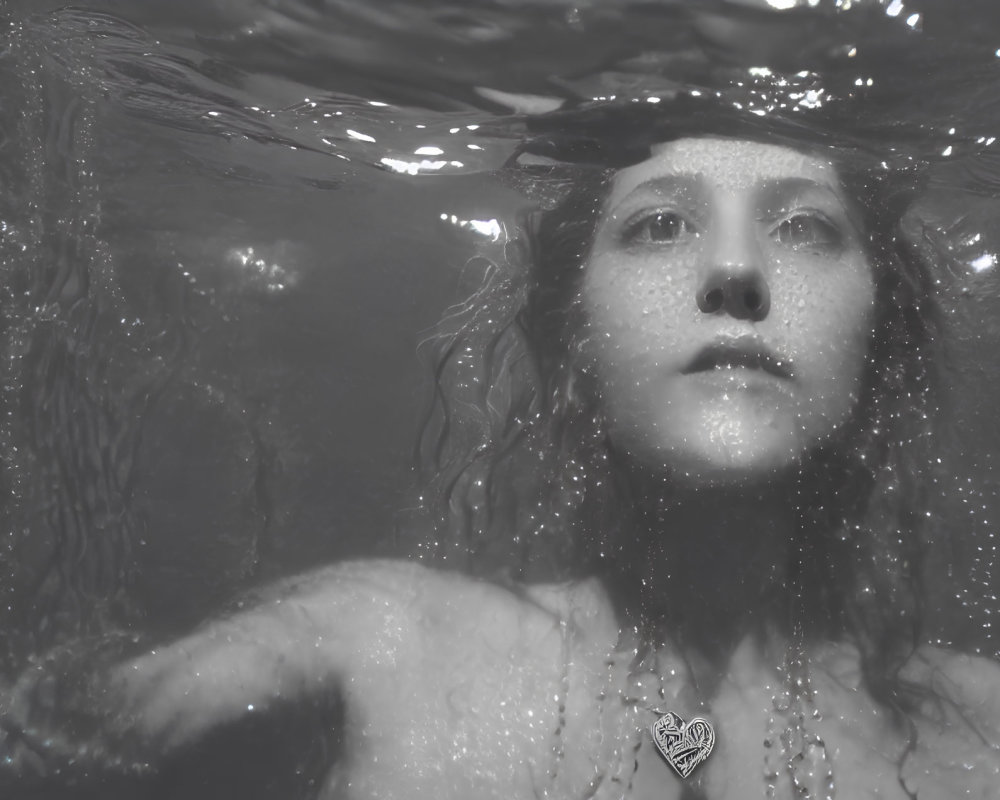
x: 19, y: 320
x: 266, y: 269
x: 492, y: 229
x: 47, y: 275
x: 977, y: 594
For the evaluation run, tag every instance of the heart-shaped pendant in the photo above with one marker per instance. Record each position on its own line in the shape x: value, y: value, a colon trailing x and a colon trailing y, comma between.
x: 683, y: 744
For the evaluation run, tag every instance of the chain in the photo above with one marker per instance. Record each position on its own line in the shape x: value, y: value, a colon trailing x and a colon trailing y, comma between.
x: 794, y: 750
x: 620, y: 731
x: 558, y: 746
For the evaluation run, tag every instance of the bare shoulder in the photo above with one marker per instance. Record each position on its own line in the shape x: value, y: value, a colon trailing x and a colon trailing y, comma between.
x: 377, y: 588
x: 432, y: 595
x: 396, y: 603
x: 947, y: 745
x: 957, y: 749
x: 958, y: 681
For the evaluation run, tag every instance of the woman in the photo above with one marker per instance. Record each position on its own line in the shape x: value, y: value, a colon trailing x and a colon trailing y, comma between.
x: 698, y: 411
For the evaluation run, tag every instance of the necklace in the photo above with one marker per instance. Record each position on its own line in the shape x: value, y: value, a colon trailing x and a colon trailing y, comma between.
x: 662, y: 683
x: 652, y: 690
x: 796, y: 763
x: 638, y: 680
x: 618, y: 734
x: 790, y: 748
x: 683, y: 744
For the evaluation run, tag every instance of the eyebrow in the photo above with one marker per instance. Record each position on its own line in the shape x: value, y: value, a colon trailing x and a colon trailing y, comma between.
x: 786, y: 186
x: 781, y: 189
x: 677, y: 183
x: 677, y: 180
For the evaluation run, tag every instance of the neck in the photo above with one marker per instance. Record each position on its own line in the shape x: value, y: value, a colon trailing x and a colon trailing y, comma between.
x: 716, y: 562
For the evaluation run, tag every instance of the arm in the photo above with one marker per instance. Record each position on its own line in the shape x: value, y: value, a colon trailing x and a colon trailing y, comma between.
x: 85, y: 714
x: 444, y: 686
x: 428, y: 684
x: 298, y: 639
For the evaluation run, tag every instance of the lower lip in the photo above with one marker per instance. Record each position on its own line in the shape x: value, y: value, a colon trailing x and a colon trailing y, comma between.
x: 739, y: 378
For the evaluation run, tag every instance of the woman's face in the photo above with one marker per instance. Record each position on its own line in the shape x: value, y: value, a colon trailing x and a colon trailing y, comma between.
x: 730, y: 304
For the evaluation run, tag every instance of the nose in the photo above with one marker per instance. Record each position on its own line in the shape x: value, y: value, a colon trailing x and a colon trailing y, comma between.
x: 733, y: 280
x: 742, y: 292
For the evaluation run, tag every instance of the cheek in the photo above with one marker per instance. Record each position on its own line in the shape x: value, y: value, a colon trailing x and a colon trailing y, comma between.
x: 641, y: 321
x: 831, y: 337
x: 638, y: 309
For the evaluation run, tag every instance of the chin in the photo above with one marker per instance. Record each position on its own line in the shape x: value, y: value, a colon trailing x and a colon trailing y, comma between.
x: 735, y: 464
x: 735, y: 475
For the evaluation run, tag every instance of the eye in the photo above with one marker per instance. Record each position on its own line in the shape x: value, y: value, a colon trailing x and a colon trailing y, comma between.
x: 662, y: 227
x: 807, y: 230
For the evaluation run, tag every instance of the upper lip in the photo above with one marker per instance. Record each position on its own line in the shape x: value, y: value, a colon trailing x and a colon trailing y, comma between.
x: 740, y: 352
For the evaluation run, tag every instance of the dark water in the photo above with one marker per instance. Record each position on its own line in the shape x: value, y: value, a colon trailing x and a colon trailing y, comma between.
x: 227, y: 225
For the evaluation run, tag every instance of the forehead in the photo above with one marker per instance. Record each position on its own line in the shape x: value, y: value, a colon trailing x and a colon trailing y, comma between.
x: 726, y: 164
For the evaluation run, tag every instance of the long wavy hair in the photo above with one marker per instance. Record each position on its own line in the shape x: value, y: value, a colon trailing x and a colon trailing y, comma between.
x: 522, y: 483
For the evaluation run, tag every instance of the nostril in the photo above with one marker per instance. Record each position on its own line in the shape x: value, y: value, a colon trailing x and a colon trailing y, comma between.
x: 714, y: 298
x: 752, y: 299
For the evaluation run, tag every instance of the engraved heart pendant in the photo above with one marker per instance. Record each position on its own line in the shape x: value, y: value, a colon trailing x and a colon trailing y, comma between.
x: 683, y: 744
